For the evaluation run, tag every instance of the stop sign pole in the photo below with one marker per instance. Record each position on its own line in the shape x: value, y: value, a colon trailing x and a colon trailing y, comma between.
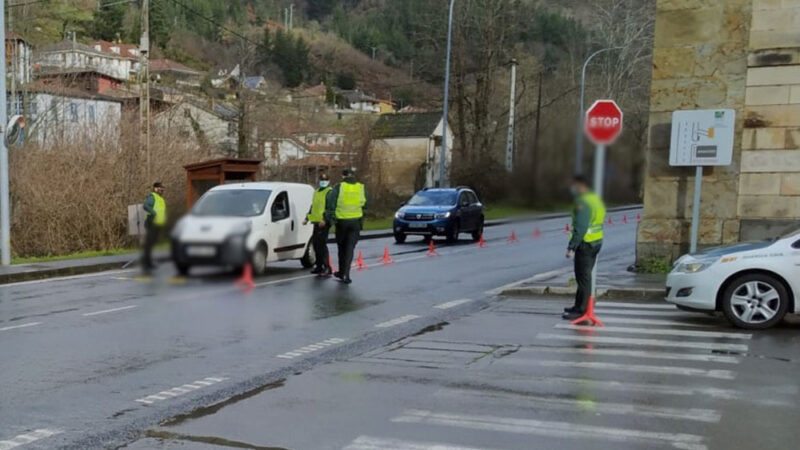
x: 602, y: 125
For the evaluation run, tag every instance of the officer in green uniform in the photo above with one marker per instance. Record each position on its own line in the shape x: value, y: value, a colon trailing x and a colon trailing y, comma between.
x: 156, y: 210
x: 345, y: 206
x: 585, y: 241
x: 321, y: 227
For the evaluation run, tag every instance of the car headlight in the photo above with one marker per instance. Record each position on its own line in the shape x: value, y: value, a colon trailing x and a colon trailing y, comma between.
x: 693, y: 266
x: 178, y: 228
x: 398, y: 215
x: 443, y: 215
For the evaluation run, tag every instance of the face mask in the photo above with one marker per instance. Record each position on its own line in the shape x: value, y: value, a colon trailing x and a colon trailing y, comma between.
x: 323, y: 183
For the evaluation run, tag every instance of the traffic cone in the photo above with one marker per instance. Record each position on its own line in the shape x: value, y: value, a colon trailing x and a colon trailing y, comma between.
x: 246, y: 279
x: 566, y: 229
x: 537, y: 233
x: 360, y: 265
x: 330, y: 263
x: 589, y: 315
x: 625, y: 218
x: 610, y: 221
x: 513, y: 237
x: 431, y: 249
x: 387, y: 258
x: 481, y: 242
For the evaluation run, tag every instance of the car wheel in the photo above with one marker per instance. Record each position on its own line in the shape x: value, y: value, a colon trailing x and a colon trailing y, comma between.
x: 755, y: 301
x: 259, y: 259
x: 310, y: 256
x: 452, y: 234
x: 183, y: 269
x: 400, y: 238
x: 476, y: 235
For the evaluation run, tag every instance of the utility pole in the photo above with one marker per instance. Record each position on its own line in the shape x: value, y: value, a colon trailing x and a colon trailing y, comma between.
x: 291, y: 16
x: 13, y: 59
x: 443, y: 151
x: 512, y: 104
x: 535, y: 153
x: 144, y: 88
x: 5, y: 198
x: 373, y: 51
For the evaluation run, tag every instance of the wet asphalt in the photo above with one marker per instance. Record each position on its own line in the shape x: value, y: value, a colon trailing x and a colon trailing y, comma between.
x: 96, y: 361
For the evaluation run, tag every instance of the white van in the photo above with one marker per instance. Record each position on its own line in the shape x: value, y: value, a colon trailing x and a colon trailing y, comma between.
x: 233, y: 224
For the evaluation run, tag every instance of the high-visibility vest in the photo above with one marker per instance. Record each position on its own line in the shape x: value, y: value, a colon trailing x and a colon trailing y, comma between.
x: 598, y: 215
x: 159, y: 210
x: 318, y: 205
x: 350, y: 201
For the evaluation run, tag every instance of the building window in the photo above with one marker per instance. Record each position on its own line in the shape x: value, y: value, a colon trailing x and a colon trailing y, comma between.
x: 90, y: 113
x: 73, y: 112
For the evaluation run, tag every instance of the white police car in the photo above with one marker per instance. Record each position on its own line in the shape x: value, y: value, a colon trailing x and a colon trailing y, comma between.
x: 754, y: 284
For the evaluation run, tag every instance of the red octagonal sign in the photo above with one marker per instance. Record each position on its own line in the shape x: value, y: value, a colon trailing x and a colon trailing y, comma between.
x: 603, y: 123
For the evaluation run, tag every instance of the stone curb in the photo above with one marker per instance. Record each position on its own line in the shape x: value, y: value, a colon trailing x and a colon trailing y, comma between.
x: 619, y: 293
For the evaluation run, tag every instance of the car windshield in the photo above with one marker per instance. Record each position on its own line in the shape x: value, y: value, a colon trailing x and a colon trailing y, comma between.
x: 433, y: 198
x: 232, y: 203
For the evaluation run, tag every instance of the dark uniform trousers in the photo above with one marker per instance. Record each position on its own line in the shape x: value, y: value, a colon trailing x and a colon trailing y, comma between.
x: 152, y: 233
x: 320, y: 241
x: 585, y: 259
x: 347, y: 233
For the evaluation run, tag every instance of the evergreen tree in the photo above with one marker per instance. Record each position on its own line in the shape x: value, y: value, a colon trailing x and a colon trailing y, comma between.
x: 107, y: 22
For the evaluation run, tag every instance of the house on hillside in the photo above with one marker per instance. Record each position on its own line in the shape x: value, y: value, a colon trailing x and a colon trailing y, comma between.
x: 70, y: 55
x: 304, y: 145
x: 358, y: 101
x: 172, y: 72
x: 83, y: 79
x: 71, y: 116
x: 406, y: 148
x: 213, y: 127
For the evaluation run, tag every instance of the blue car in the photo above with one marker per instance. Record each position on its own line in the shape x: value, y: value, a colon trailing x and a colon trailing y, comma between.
x: 440, y: 212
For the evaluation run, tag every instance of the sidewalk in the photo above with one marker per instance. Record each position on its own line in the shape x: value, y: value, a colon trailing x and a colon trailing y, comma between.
x: 614, y: 280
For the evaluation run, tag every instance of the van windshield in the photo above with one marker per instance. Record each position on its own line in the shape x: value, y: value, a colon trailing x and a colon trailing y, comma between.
x: 232, y: 203
x: 433, y: 198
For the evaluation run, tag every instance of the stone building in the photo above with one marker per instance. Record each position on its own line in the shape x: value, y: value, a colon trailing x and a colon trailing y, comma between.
x: 739, y: 54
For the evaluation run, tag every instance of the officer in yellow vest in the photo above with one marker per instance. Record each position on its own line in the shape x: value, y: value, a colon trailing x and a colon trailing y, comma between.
x: 585, y: 241
x: 321, y: 227
x: 156, y: 210
x: 345, y: 206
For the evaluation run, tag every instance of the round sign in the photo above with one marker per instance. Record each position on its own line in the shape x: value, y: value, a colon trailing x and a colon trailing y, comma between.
x: 603, y: 123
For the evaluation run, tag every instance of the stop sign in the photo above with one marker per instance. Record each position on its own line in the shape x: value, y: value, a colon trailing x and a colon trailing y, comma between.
x: 603, y: 123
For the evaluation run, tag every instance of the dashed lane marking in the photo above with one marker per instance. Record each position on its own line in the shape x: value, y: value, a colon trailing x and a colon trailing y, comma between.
x: 311, y: 348
x: 67, y: 278
x: 397, y: 321
x: 659, y: 332
x: 17, y: 327
x: 27, y: 438
x: 645, y: 342
x: 180, y: 390
x: 106, y: 311
x: 452, y: 304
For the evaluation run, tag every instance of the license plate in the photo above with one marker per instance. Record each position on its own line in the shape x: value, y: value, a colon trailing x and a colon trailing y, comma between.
x: 418, y: 225
x: 203, y: 251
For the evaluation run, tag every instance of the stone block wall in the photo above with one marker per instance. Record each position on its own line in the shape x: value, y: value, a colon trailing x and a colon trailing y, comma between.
x: 739, y: 54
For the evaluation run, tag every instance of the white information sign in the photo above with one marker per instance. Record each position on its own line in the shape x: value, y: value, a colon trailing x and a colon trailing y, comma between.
x: 702, y: 137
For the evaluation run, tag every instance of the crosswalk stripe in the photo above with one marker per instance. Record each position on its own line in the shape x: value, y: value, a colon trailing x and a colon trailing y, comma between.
x: 644, y: 342
x: 658, y: 331
x: 637, y: 368
x: 550, y: 428
x: 589, y: 406
x: 671, y: 323
x: 636, y: 305
x: 641, y: 312
x: 373, y: 443
x: 650, y: 354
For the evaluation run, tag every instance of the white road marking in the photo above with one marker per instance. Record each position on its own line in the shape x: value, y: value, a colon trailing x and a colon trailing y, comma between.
x: 397, y: 321
x: 642, y: 312
x: 636, y: 354
x: 452, y: 304
x: 635, y: 368
x: 374, y: 443
x: 180, y: 390
x: 643, y: 388
x: 106, y: 311
x: 590, y: 406
x: 27, y: 438
x: 601, y: 304
x: 24, y: 325
x: 645, y: 342
x: 550, y: 428
x: 283, y: 280
x: 658, y: 331
x: 671, y: 323
x: 67, y: 278
x: 310, y: 348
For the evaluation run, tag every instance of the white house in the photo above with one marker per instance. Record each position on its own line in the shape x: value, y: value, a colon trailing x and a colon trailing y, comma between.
x: 65, y: 117
x: 69, y: 54
x: 305, y: 145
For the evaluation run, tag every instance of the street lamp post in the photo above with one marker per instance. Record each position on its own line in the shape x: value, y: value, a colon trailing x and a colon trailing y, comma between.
x: 579, y: 131
x: 443, y: 151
